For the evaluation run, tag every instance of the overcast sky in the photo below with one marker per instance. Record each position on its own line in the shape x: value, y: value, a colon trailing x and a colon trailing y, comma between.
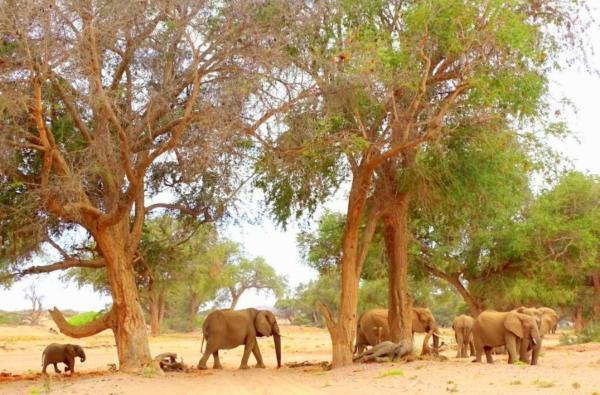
x: 279, y: 246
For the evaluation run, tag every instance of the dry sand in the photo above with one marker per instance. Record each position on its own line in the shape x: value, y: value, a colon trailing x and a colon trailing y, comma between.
x: 562, y: 369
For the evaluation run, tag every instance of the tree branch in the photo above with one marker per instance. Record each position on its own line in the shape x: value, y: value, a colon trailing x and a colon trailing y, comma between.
x: 106, y: 321
x: 62, y: 265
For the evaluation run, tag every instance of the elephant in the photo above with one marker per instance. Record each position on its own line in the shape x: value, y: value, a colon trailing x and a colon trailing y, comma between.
x: 494, y: 329
x: 547, y: 320
x: 227, y: 329
x: 387, y: 349
x: 372, y: 328
x: 463, y: 328
x: 65, y: 353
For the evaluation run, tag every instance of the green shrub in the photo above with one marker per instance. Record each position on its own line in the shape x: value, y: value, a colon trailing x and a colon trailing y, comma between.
x: 9, y: 318
x: 591, y: 333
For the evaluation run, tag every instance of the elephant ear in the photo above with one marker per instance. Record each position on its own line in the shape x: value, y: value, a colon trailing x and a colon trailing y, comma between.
x: 513, y: 324
x: 546, y: 324
x: 261, y: 323
x: 70, y: 350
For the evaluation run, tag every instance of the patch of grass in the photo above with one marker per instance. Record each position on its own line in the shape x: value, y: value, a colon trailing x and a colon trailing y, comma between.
x: 515, y: 382
x: 543, y: 384
x: 521, y: 363
x: 419, y: 367
x: 151, y: 370
x: 84, y: 318
x: 449, y: 382
x: 452, y: 388
x: 413, y: 377
x: 576, y: 385
x: 391, y: 373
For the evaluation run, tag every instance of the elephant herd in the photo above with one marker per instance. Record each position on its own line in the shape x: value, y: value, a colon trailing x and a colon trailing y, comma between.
x: 520, y: 331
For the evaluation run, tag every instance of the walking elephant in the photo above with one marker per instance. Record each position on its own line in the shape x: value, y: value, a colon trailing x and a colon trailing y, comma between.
x: 463, y: 333
x: 510, y: 329
x: 227, y: 329
x: 372, y: 328
x: 62, y: 353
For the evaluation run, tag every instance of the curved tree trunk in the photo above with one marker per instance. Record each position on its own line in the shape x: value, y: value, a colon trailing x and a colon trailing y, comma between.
x: 130, y: 332
x: 396, y: 242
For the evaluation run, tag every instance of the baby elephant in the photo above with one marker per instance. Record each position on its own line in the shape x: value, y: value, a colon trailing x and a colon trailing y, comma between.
x: 65, y: 353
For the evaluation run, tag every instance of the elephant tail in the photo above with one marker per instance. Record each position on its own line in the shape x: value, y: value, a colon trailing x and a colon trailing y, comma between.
x: 466, y: 333
x: 43, y: 357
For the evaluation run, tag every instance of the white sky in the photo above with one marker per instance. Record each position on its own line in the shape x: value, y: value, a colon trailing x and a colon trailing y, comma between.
x: 279, y: 246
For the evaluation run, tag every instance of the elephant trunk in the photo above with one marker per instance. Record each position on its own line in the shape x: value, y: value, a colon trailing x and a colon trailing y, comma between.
x: 536, y: 346
x: 82, y: 356
x: 277, y: 341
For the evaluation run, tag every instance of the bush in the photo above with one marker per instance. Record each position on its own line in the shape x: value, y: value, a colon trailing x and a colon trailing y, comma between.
x: 9, y: 318
x: 591, y: 333
x: 84, y: 318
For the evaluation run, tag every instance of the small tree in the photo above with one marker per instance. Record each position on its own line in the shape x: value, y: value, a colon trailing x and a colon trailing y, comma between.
x: 245, y: 274
x: 35, y: 299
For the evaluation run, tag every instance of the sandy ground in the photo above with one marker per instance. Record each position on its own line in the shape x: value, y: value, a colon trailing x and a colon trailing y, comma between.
x: 562, y: 369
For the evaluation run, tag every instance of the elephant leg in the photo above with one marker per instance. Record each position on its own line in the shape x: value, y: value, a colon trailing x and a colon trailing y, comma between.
x: 247, y: 350
x: 216, y: 360
x: 208, y: 351
x: 56, y: 369
x: 472, y: 348
x: 478, y: 350
x: 258, y: 356
x: 71, y: 365
x: 488, y: 354
x: 511, y: 347
x: 458, y: 344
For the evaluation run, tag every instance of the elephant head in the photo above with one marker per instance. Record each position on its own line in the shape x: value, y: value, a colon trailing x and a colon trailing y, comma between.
x: 428, y: 323
x: 546, y: 317
x: 75, y: 351
x: 549, y: 320
x: 526, y: 328
x: 266, y: 325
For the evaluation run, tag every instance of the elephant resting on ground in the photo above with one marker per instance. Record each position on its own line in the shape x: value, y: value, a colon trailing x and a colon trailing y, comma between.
x: 510, y: 329
x: 463, y: 333
x: 227, y: 329
x: 372, y: 328
x: 65, y: 353
x: 385, y: 351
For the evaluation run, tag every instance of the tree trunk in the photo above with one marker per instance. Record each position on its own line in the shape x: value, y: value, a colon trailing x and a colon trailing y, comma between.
x: 130, y: 332
x: 579, y: 320
x: 396, y: 242
x: 235, y: 297
x: 154, y: 313
x: 194, y: 305
x: 162, y: 304
x: 475, y: 306
x: 596, y: 285
x: 344, y: 330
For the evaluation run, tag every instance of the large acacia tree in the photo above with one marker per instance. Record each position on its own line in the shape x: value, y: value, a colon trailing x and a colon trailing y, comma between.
x: 396, y: 77
x: 106, y: 104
